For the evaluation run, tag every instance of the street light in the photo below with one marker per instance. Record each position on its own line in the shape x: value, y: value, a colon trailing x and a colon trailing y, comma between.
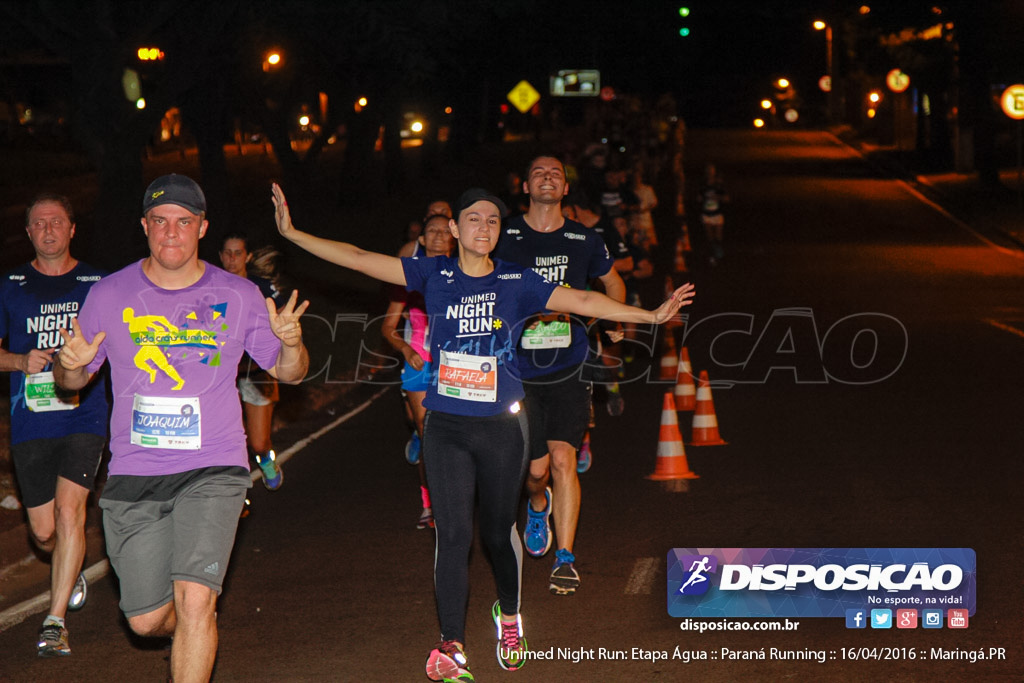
x: 820, y: 25
x: 271, y: 60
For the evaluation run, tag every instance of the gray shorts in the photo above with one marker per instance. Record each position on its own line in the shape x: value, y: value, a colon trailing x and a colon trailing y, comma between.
x: 188, y: 537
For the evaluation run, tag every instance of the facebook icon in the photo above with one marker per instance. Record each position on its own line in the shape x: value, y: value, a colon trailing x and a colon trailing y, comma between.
x: 856, y: 618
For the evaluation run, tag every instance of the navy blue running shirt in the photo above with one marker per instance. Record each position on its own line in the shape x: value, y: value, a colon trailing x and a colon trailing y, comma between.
x: 475, y: 325
x: 573, y: 255
x: 33, y: 307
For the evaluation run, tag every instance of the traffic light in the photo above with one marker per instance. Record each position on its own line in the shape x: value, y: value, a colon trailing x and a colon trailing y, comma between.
x: 684, y: 12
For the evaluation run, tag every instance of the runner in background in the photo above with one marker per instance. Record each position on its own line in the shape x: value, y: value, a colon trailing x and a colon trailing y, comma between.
x: 257, y: 389
x: 57, y: 437
x: 414, y: 345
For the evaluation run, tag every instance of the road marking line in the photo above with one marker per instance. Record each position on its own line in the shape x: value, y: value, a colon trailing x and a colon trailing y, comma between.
x: 283, y: 456
x: 18, y: 613
x: 642, y: 578
x: 1015, y: 253
x: 1004, y: 327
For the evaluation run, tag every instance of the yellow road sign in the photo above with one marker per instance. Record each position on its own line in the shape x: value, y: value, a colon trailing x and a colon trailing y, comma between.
x: 523, y: 96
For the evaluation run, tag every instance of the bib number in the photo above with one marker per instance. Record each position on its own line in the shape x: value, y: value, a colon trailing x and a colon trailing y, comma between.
x: 467, y: 377
x: 42, y: 395
x: 172, y: 423
x: 548, y: 333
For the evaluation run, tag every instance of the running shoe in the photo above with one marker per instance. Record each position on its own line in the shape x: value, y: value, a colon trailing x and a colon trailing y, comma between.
x: 616, y: 404
x: 511, y: 647
x: 537, y: 535
x: 272, y: 474
x: 447, y: 662
x: 412, y: 449
x: 53, y: 641
x: 584, y: 457
x: 564, y: 579
x: 78, y: 594
x: 426, y: 519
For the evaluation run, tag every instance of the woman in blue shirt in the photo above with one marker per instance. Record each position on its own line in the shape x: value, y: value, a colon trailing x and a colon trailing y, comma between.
x: 475, y: 435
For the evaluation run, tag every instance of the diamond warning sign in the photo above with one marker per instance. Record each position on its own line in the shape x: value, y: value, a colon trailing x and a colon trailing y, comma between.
x: 523, y: 96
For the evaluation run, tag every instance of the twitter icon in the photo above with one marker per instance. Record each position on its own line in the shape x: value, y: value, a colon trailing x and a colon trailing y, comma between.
x: 881, y: 618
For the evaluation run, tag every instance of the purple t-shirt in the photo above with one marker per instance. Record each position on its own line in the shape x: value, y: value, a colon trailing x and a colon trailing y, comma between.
x: 173, y: 360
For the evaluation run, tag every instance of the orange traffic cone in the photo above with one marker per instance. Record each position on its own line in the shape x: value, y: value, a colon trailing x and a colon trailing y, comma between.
x: 705, y: 424
x: 685, y: 392
x: 669, y: 359
x: 671, y: 463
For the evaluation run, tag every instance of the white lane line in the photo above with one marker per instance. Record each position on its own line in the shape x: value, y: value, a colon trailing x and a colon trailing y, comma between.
x: 1004, y: 327
x: 283, y: 456
x: 18, y: 613
x: 1015, y: 253
x: 641, y: 580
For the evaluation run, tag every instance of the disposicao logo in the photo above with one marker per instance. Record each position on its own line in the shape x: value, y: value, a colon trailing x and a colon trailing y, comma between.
x: 817, y: 582
x: 696, y: 580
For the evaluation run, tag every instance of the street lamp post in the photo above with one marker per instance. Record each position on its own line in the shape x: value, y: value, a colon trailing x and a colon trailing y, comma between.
x: 829, y: 97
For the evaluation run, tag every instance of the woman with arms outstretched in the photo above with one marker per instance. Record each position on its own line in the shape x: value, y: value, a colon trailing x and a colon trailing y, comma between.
x: 475, y: 434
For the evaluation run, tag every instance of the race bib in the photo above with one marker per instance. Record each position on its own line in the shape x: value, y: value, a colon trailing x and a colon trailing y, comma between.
x: 468, y: 377
x: 42, y: 395
x: 551, y: 332
x: 159, y: 422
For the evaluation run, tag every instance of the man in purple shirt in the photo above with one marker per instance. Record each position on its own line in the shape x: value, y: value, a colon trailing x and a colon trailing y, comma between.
x: 173, y: 329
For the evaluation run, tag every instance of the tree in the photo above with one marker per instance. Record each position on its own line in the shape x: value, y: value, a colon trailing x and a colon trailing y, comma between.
x: 100, y: 39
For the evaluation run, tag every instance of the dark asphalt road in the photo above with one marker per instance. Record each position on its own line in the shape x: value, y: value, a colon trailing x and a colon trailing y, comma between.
x: 331, y: 581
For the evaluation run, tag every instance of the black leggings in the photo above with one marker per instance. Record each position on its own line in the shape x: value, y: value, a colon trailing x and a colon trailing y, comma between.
x: 462, y: 456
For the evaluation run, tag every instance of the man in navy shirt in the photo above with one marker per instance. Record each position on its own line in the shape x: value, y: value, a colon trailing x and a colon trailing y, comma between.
x: 57, y: 437
x: 553, y: 349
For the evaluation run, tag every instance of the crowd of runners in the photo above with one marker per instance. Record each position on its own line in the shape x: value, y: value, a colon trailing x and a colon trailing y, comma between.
x: 506, y: 310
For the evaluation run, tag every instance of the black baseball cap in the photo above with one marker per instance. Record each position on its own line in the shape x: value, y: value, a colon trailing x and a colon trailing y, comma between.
x: 174, y: 189
x: 478, y: 194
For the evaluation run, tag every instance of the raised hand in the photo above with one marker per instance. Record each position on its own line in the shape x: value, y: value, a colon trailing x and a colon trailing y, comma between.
x: 78, y: 351
x: 281, y: 215
x: 285, y: 321
x: 681, y: 297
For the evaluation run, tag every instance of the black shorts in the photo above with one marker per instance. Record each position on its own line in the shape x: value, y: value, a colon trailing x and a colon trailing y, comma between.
x: 557, y: 411
x: 38, y: 463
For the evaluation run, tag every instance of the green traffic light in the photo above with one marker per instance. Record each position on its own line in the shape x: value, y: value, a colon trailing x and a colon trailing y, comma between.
x: 684, y: 11
x: 684, y: 31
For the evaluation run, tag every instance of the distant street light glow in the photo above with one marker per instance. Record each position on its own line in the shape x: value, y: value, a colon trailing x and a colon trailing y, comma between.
x: 416, y: 127
x: 303, y: 120
x: 874, y: 96
x: 273, y: 59
x: 819, y: 25
x: 766, y: 104
x: 140, y: 103
x: 758, y: 123
x: 783, y: 82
